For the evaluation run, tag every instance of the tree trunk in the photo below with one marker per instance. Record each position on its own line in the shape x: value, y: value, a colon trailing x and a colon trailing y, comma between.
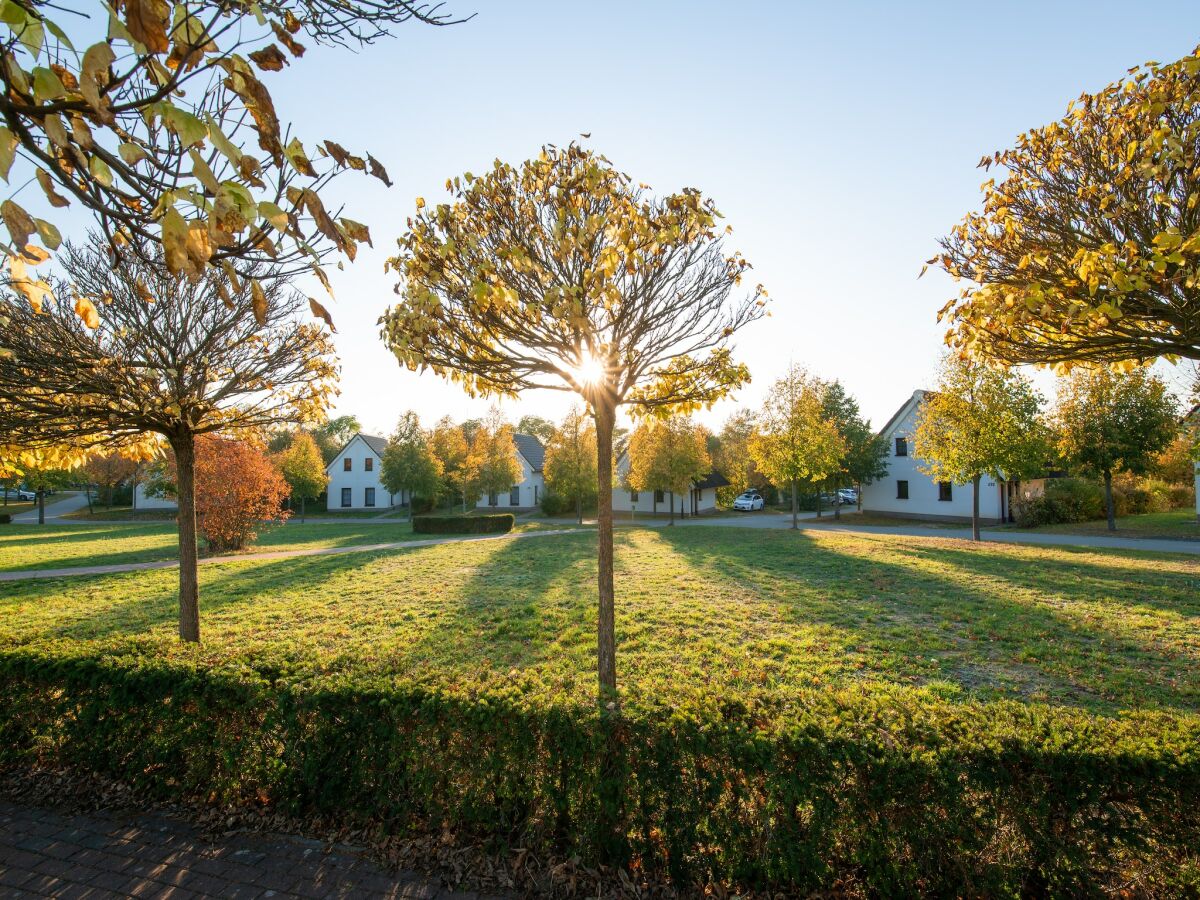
x: 795, y: 506
x: 579, y: 508
x: 837, y: 504
x: 606, y: 639
x: 1109, y: 506
x: 975, y: 508
x: 87, y: 492
x: 301, y: 510
x: 410, y: 508
x: 41, y: 505
x: 184, y: 447
x: 818, y: 502
x: 671, y: 494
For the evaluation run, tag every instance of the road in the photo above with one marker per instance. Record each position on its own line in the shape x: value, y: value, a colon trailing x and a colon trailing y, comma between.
x: 56, y: 507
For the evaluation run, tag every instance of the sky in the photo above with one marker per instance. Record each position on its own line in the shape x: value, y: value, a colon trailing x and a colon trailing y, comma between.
x: 840, y: 140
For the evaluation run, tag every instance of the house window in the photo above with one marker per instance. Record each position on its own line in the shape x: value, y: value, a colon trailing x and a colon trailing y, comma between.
x: 902, y: 446
x: 347, y: 464
x: 633, y: 498
x: 369, y: 464
x: 493, y: 499
x: 346, y: 497
x: 369, y: 498
x: 514, y: 497
x: 659, y: 497
x: 901, y: 490
x: 945, y: 491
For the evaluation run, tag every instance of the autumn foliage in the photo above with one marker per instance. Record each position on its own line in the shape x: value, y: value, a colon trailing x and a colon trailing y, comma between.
x: 237, y: 489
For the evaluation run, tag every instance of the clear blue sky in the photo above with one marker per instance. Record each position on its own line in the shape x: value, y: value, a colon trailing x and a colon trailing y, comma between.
x: 840, y: 140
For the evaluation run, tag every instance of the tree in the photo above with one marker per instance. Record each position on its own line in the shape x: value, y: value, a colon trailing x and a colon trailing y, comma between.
x: 981, y: 420
x: 237, y: 489
x: 492, y: 465
x: 668, y: 454
x: 865, y: 453
x: 1108, y: 422
x: 1088, y: 248
x: 731, y: 457
x: 303, y: 469
x: 1176, y: 463
x: 560, y: 274
x: 793, y: 440
x: 409, y: 463
x: 108, y: 471
x: 541, y: 428
x: 204, y: 356
x: 450, y: 449
x: 146, y: 128
x: 570, y: 464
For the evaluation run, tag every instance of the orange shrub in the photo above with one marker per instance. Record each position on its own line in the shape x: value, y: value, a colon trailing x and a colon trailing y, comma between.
x: 237, y: 488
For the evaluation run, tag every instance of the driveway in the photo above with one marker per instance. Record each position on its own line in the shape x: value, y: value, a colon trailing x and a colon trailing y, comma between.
x: 56, y: 508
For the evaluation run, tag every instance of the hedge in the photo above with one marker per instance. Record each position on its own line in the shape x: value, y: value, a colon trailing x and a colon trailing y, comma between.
x: 892, y: 792
x: 494, y: 523
x: 5, y: 518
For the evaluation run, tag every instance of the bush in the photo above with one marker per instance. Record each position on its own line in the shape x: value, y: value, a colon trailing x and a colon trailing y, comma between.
x: 1065, y: 500
x: 5, y: 518
x: 495, y: 523
x: 1133, y: 496
x: 890, y: 793
x: 1183, y: 496
x: 554, y: 504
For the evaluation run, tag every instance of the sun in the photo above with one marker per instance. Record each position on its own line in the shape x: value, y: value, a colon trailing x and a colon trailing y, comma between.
x: 590, y: 370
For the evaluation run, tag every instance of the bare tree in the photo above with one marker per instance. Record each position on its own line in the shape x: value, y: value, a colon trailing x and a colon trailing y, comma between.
x: 203, y: 356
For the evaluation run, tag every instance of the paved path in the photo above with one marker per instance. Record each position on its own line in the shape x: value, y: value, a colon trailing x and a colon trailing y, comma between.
x: 106, y: 855
x: 55, y: 509
x: 25, y: 574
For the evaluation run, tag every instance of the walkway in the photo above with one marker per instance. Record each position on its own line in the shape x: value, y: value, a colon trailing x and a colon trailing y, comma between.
x: 55, y: 509
x: 25, y: 574
x: 107, y: 855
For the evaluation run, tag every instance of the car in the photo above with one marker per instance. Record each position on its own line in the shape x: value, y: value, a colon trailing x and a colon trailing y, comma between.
x: 848, y: 496
x: 23, y: 494
x: 749, y: 501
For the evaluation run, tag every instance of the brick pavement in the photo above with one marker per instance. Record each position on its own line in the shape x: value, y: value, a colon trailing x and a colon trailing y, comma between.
x: 102, y: 855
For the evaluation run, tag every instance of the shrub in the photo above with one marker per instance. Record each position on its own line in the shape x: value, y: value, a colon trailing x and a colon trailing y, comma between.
x: 495, y: 523
x: 554, y: 504
x: 1065, y: 500
x: 1133, y: 496
x: 1183, y: 496
x: 5, y: 518
x: 895, y: 793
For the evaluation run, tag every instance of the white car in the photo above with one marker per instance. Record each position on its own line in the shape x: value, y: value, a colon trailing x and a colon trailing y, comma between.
x: 749, y: 501
x: 848, y: 496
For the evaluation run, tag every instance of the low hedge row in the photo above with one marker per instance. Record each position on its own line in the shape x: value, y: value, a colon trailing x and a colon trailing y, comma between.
x: 494, y: 523
x: 893, y: 793
x: 5, y: 518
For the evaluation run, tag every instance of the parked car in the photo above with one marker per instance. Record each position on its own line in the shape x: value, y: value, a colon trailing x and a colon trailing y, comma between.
x: 848, y: 496
x: 749, y: 501
x: 23, y: 494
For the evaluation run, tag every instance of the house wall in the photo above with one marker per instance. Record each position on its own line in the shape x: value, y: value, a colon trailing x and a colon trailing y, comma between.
x: 531, y: 487
x: 923, y: 493
x: 622, y: 497
x: 358, y: 479
x: 141, y: 500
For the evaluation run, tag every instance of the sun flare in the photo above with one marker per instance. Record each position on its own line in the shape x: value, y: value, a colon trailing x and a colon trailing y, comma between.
x: 590, y: 370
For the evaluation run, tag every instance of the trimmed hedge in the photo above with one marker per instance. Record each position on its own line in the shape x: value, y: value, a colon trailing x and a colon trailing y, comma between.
x: 890, y: 792
x: 494, y: 523
x: 5, y: 518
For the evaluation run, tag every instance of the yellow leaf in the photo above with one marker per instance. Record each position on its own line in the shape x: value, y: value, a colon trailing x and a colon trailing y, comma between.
x: 259, y: 298
x: 86, y: 310
x: 321, y: 313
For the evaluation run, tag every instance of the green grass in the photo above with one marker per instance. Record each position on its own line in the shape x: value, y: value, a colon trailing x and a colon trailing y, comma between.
x: 853, y: 517
x: 62, y: 546
x: 101, y: 513
x: 1178, y: 524
x: 13, y: 507
x: 701, y: 614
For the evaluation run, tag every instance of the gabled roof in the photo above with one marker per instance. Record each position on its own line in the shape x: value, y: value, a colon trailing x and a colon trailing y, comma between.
x: 531, y: 448
x: 711, y: 480
x: 917, y: 397
x: 375, y: 442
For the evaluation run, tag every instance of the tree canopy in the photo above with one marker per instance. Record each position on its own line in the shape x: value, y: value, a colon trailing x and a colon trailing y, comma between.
x: 570, y: 464
x: 492, y: 465
x: 794, y: 440
x: 980, y: 420
x: 302, y: 468
x: 1088, y: 247
x: 409, y: 463
x: 668, y: 455
x: 141, y: 113
x: 1107, y: 422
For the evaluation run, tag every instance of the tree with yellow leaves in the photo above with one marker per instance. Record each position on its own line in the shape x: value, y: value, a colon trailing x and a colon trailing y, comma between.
x: 492, y: 466
x: 570, y: 464
x: 193, y: 361
x: 141, y: 113
x: 669, y: 455
x: 561, y: 274
x: 1087, y: 249
x: 794, y: 439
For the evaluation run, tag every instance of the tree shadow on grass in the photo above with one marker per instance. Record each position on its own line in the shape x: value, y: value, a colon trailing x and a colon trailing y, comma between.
x: 923, y: 615
x: 63, y: 546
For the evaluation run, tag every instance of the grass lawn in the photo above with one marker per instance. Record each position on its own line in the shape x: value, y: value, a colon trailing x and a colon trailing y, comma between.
x: 704, y: 613
x: 62, y: 546
x: 13, y: 507
x: 853, y: 517
x: 102, y: 513
x: 1178, y: 524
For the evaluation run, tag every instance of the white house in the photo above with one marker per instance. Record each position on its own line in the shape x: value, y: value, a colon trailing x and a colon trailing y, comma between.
x: 908, y: 492
x: 142, y: 500
x: 354, y: 476
x: 527, y: 493
x: 701, y: 498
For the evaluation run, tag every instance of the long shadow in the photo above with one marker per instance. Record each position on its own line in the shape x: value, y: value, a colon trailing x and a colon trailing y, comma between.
x: 87, y: 542
x: 974, y: 638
